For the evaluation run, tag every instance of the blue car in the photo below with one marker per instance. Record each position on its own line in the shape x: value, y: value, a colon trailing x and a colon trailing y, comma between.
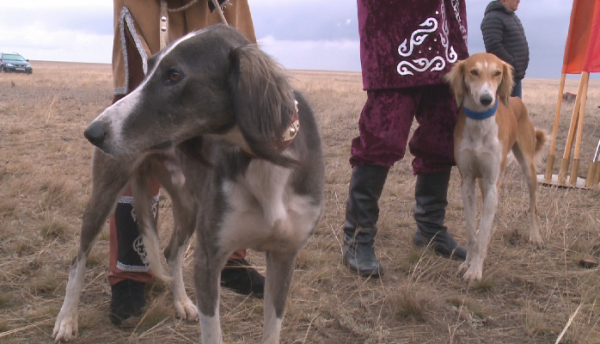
x: 14, y: 63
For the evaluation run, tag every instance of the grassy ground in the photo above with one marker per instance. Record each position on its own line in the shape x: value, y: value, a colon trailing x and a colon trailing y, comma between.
x: 527, y: 295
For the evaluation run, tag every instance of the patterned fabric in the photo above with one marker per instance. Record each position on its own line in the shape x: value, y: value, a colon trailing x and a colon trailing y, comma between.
x: 405, y: 43
x: 385, y: 124
x: 140, y: 19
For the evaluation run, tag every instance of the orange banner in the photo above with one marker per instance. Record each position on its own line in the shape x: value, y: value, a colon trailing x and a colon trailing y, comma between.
x: 582, y: 50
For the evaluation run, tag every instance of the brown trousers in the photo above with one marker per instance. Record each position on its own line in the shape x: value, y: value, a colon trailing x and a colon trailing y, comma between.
x: 136, y: 38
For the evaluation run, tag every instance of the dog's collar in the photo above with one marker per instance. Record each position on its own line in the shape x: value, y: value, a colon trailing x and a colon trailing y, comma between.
x: 287, y: 137
x: 290, y: 133
x: 481, y: 115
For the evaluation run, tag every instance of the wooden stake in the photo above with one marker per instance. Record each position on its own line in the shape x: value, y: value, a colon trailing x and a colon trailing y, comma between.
x: 550, y: 158
x: 564, y: 166
x: 585, y: 78
x: 591, y: 174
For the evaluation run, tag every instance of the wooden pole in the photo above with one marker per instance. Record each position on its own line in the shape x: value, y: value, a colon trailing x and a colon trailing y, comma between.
x: 585, y: 78
x: 564, y: 164
x: 591, y: 181
x: 550, y: 159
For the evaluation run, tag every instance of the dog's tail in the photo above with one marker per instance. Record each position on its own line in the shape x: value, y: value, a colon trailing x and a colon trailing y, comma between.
x: 540, y: 140
x: 147, y: 225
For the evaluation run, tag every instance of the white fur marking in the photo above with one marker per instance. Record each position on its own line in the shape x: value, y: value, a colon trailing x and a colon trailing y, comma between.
x: 210, y: 328
x: 66, y: 322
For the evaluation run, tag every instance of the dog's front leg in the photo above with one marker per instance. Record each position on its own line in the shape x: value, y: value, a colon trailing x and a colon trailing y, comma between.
x: 470, y: 209
x: 109, y: 177
x: 490, y: 204
x: 207, y: 275
x: 280, y: 268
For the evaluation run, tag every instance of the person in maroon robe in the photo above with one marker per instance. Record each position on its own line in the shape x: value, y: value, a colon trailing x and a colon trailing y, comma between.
x: 406, y: 48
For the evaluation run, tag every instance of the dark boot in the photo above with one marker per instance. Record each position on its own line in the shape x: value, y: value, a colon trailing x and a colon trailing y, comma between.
x: 239, y: 277
x: 362, y: 213
x: 429, y: 212
x: 127, y: 300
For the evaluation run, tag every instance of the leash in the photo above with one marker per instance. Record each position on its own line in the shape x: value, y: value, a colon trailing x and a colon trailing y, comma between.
x: 164, y: 17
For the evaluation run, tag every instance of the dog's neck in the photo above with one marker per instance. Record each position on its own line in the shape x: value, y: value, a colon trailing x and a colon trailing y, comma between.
x: 480, y: 115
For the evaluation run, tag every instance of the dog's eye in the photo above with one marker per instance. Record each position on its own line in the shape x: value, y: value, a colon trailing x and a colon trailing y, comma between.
x: 474, y: 72
x: 497, y: 73
x: 174, y: 75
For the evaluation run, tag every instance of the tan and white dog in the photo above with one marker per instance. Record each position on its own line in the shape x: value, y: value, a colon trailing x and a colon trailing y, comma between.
x: 490, y: 123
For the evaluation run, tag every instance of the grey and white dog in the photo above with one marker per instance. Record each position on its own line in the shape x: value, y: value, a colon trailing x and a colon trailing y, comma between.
x: 217, y: 112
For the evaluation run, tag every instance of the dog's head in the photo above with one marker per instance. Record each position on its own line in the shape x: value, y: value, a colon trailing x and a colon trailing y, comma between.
x: 210, y: 82
x: 479, y: 80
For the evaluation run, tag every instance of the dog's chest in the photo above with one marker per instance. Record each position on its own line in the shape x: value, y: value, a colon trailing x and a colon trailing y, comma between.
x: 264, y: 211
x: 479, y: 150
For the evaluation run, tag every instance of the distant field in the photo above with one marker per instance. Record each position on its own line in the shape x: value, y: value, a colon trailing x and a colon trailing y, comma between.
x: 527, y: 295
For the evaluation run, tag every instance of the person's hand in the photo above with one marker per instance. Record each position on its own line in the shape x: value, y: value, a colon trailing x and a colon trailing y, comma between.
x: 211, y: 4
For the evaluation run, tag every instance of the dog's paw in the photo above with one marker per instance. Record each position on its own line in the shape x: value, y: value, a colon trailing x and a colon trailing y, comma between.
x: 186, y: 310
x: 474, y: 273
x: 536, y: 240
x: 463, y: 267
x: 65, y: 328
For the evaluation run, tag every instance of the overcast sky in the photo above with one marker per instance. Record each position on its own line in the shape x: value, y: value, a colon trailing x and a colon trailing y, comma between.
x: 300, y: 34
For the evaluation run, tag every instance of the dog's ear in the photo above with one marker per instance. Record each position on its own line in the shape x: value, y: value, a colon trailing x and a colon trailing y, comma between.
x: 263, y: 100
x: 507, y: 83
x: 456, y: 79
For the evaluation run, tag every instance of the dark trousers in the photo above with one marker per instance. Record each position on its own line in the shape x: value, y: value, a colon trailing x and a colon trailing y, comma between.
x: 385, y: 123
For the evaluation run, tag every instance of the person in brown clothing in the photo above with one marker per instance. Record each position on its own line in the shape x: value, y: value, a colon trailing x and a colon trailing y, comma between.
x: 138, y: 25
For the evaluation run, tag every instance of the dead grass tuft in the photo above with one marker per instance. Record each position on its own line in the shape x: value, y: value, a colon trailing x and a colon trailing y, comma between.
x: 159, y: 311
x: 527, y: 295
x: 53, y: 228
x: 45, y: 282
x: 4, y: 300
x: 408, y: 303
x: 4, y: 326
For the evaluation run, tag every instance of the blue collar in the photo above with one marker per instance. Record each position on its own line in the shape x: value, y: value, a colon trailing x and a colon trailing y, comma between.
x: 481, y: 115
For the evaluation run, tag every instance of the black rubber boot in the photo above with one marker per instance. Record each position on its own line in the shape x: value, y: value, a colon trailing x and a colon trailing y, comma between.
x: 429, y: 212
x: 239, y: 277
x: 127, y: 300
x: 362, y: 213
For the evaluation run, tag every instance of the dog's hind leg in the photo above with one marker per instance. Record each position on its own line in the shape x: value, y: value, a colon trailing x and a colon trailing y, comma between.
x: 109, y: 177
x: 526, y: 161
x: 469, y: 199
x: 280, y: 268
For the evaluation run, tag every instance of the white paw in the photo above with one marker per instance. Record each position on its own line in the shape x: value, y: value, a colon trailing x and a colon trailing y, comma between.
x: 186, y: 310
x: 65, y: 327
x: 474, y: 273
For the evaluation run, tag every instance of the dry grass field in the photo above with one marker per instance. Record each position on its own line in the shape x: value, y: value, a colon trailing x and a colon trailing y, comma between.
x: 528, y: 295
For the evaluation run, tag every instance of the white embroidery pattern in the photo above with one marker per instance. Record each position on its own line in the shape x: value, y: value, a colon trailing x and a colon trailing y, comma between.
x: 418, y: 37
x: 463, y: 30
x: 138, y: 246
x: 451, y: 55
x: 430, y: 25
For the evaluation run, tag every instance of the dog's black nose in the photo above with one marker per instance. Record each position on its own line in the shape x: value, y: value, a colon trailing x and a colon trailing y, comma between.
x: 95, y: 133
x: 486, y: 99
